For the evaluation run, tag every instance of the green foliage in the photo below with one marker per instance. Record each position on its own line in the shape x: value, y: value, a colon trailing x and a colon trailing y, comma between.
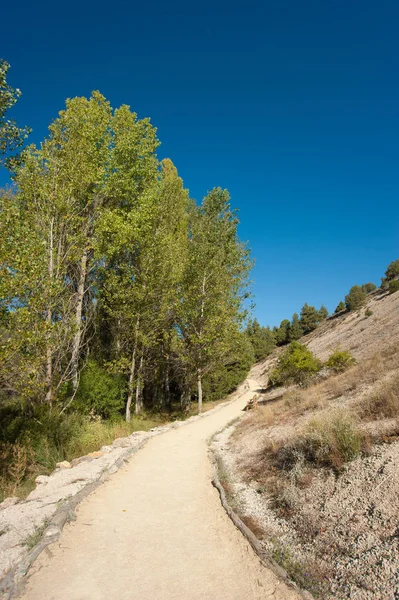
x: 224, y: 379
x: 323, y: 313
x: 214, y: 285
x: 368, y: 312
x: 391, y: 272
x: 340, y: 360
x: 393, y: 286
x: 295, y: 331
x: 340, y: 308
x: 309, y: 318
x: 261, y: 338
x: 297, y: 364
x: 45, y: 433
x: 100, y: 393
x: 369, y: 287
x: 11, y: 136
x: 356, y: 298
x: 281, y: 333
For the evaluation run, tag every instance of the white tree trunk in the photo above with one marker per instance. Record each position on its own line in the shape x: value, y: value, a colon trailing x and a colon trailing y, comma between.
x: 167, y: 385
x: 132, y: 372
x: 78, y: 321
x: 199, y: 384
x: 49, y: 352
x: 139, y: 388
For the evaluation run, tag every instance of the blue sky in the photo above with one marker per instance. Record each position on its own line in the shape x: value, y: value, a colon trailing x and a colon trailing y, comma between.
x: 292, y: 106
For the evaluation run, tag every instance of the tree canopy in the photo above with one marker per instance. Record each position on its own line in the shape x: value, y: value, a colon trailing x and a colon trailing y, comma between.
x: 118, y: 272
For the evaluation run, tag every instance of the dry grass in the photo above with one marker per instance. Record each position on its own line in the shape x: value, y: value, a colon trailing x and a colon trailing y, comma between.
x: 383, y: 402
x: 15, y: 460
x: 261, y: 418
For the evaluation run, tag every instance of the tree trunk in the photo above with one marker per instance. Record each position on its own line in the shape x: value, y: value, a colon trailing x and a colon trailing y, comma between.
x: 78, y: 322
x: 139, y: 388
x: 49, y: 352
x: 132, y: 372
x: 167, y: 385
x: 199, y: 384
x: 185, y: 400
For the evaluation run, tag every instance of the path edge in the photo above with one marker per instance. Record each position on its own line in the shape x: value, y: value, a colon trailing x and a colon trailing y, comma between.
x: 267, y: 561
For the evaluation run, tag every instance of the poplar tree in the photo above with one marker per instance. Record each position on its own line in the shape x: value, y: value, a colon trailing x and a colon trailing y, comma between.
x: 213, y: 287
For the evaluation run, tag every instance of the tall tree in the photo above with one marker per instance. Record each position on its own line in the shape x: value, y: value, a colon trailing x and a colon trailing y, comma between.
x: 310, y: 318
x: 145, y: 247
x: 281, y: 333
x: 213, y: 286
x: 62, y: 183
x: 295, y: 331
x: 323, y: 313
x: 261, y: 338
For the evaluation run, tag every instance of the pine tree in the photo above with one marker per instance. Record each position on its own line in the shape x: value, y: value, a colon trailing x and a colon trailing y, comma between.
x: 323, y: 313
x: 261, y: 338
x: 295, y: 331
x: 309, y: 318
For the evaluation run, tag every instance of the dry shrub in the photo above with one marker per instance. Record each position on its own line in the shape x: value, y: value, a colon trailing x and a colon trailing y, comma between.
x: 15, y: 461
x: 383, y: 402
x: 294, y: 398
x: 339, y: 385
x: 328, y: 441
x: 367, y: 371
x: 299, y: 402
x: 262, y: 418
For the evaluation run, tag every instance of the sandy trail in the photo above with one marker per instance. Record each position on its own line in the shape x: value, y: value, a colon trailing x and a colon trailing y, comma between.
x: 156, y: 530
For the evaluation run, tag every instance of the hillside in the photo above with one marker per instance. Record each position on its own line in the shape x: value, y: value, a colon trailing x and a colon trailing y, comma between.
x: 313, y: 470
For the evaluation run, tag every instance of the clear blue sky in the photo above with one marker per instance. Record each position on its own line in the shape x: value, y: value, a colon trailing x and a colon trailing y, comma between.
x: 291, y: 105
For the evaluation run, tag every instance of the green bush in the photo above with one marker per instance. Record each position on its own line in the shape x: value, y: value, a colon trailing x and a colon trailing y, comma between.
x: 356, y: 298
x: 335, y: 440
x: 44, y: 432
x: 99, y: 392
x: 296, y: 365
x: 340, y: 360
x: 393, y: 286
x: 329, y: 441
x: 368, y: 312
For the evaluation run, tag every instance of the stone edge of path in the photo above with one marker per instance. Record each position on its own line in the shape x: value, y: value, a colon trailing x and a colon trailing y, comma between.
x: 13, y: 580
x: 266, y: 560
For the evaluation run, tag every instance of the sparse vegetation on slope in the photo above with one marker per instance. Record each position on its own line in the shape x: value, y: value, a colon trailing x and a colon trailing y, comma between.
x: 315, y: 467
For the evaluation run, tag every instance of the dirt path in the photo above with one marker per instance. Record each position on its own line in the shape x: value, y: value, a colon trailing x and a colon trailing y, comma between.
x: 157, y: 531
